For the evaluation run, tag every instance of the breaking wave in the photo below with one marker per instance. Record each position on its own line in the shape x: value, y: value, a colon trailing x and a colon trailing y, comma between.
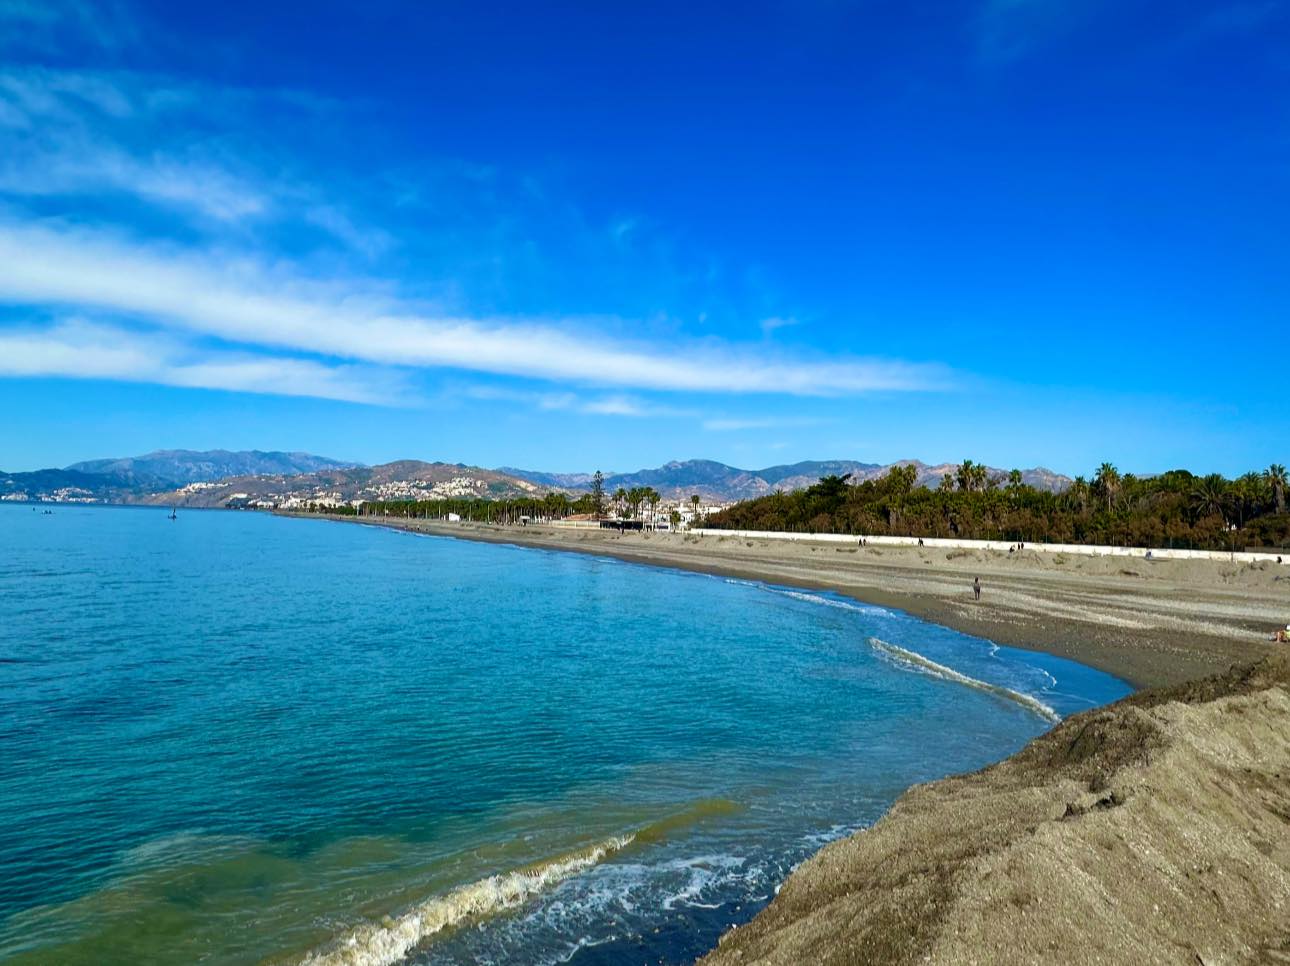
x: 388, y: 942
x: 829, y: 601
x: 916, y: 662
x: 393, y: 938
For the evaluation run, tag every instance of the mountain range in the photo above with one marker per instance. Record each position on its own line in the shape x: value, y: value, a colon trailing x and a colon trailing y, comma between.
x: 221, y: 477
x: 400, y: 480
x: 127, y: 479
x: 721, y: 483
x: 175, y: 467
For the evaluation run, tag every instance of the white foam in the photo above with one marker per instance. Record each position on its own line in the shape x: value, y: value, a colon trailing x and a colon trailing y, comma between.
x: 703, y: 874
x: 829, y: 601
x: 819, y: 839
x: 388, y: 942
x: 916, y: 662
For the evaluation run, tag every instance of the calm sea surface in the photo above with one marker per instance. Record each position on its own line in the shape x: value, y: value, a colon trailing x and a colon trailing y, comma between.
x: 234, y: 738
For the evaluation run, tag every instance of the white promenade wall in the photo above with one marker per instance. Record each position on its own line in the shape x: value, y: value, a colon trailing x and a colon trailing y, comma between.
x: 1087, y: 550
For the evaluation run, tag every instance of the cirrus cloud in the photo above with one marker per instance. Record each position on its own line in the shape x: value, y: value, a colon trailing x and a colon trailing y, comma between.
x: 273, y: 307
x: 86, y: 350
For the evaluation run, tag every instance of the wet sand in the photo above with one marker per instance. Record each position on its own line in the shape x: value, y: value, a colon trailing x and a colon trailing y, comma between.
x: 1147, y: 622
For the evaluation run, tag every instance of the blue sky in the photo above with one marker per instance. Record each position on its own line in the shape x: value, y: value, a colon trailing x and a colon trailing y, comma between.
x: 569, y: 236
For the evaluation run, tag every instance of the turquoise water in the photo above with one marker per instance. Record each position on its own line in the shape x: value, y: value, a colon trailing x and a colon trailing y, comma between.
x: 235, y: 738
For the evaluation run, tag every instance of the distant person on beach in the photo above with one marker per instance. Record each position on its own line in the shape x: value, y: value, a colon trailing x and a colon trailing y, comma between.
x: 976, y: 587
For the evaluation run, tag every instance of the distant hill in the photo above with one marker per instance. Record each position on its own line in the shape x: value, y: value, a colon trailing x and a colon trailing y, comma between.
x: 719, y: 482
x: 400, y: 480
x: 175, y: 467
x: 558, y: 481
x: 67, y: 485
x: 131, y: 478
x: 1038, y: 477
x: 816, y: 469
x: 216, y: 477
x: 710, y: 479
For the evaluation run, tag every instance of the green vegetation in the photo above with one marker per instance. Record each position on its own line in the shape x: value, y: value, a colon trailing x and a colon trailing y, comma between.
x: 638, y: 503
x: 1174, y: 509
x: 553, y: 506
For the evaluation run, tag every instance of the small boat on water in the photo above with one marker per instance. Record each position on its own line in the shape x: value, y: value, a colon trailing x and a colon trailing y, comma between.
x: 172, y: 514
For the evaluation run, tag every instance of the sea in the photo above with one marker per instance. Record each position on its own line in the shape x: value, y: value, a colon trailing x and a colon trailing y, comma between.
x: 238, y: 738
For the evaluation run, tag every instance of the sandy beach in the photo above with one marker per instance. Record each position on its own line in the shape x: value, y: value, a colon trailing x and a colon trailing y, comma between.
x: 1149, y: 623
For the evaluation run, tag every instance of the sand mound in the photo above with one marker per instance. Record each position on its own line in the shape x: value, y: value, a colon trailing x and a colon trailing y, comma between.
x: 1155, y: 830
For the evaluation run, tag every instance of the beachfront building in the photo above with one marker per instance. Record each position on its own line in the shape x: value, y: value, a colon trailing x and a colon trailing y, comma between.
x: 660, y: 518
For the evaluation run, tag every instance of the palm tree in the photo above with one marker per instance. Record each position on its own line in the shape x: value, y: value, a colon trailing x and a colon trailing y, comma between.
x: 620, y: 497
x: 1107, y: 482
x: 1209, y: 496
x: 1248, y: 494
x: 556, y: 505
x: 1276, y: 478
x: 1078, y: 493
x: 694, y: 503
x: 972, y: 476
x: 653, y: 498
x: 634, y: 497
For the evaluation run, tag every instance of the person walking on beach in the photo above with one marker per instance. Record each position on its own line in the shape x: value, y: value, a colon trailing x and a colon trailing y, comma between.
x: 976, y: 588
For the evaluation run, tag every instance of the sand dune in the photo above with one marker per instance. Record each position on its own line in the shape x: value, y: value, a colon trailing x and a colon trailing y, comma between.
x: 1156, y: 830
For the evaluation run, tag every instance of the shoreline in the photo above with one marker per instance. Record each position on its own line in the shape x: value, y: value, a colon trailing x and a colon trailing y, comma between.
x: 1146, y: 829
x: 1148, y: 623
x: 1149, y: 830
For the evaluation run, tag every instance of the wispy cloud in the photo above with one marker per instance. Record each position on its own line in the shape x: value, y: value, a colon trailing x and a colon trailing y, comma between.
x: 618, y: 406
x: 84, y: 350
x: 548, y: 401
x: 609, y: 405
x: 86, y: 134
x: 197, y: 186
x: 242, y: 301
x: 221, y: 210
x: 46, y: 25
x: 722, y: 425
x: 776, y: 322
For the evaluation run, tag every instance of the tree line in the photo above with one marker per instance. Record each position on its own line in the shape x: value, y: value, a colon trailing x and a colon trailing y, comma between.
x: 1174, y: 509
x: 636, y: 503
x: 553, y: 506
